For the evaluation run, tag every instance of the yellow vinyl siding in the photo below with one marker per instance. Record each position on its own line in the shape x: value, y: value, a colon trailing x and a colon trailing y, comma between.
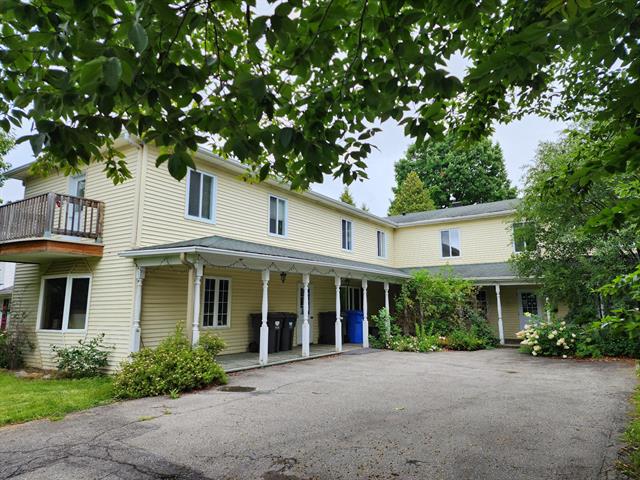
x: 485, y: 240
x: 111, y: 295
x: 165, y: 302
x: 242, y: 212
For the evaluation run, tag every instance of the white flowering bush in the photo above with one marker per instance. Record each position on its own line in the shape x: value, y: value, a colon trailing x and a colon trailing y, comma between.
x: 552, y: 337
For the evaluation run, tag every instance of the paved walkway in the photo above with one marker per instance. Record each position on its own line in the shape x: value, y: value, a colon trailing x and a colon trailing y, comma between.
x: 235, y: 362
x: 496, y: 415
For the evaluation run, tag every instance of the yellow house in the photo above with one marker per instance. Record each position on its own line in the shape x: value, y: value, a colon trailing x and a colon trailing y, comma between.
x: 217, y: 253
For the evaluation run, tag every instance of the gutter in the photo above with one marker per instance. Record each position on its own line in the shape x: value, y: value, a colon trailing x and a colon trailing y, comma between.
x: 273, y: 258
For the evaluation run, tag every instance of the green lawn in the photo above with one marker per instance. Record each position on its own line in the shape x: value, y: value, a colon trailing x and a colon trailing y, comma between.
x: 22, y: 400
x: 631, y: 463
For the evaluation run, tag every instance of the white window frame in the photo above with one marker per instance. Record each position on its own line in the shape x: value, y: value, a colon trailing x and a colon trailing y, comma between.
x: 459, y: 243
x: 285, y: 225
x: 352, y: 239
x: 67, y: 303
x: 214, y: 196
x: 215, y: 303
x: 382, y: 252
x: 513, y: 237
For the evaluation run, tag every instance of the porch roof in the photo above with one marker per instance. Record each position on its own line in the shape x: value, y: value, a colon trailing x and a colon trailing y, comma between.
x: 498, y: 272
x: 230, y: 247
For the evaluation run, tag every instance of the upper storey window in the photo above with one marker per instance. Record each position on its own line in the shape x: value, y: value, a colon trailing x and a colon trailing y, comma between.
x: 277, y: 216
x: 201, y: 198
x: 382, y: 244
x: 347, y: 235
x: 450, y: 242
x: 523, y: 237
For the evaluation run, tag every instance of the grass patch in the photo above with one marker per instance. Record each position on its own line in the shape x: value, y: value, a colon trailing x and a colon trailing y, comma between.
x: 22, y: 400
x: 630, y: 464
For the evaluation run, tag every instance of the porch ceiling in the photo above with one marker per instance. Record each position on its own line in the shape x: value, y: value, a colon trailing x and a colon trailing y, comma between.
x: 232, y: 253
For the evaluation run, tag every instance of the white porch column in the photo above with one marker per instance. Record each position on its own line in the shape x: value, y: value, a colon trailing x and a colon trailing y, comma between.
x: 386, y: 306
x: 264, y: 328
x: 197, y: 281
x: 365, y: 313
x: 305, y: 315
x: 338, y: 326
x: 500, y: 324
x: 137, y: 310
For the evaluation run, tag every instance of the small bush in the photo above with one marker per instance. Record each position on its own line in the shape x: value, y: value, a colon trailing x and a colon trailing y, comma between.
x: 550, y: 338
x: 460, y: 339
x: 386, y: 327
x: 14, y: 342
x: 212, y: 344
x: 174, y: 366
x: 482, y: 331
x: 605, y: 342
x: 87, y: 359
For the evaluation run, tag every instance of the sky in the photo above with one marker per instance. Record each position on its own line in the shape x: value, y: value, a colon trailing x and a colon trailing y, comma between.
x: 517, y: 139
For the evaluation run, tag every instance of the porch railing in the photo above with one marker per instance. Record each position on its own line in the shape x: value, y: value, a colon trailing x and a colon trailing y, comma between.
x: 51, y: 214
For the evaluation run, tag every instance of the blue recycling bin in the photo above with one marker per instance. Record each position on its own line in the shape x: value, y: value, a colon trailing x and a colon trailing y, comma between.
x: 354, y: 326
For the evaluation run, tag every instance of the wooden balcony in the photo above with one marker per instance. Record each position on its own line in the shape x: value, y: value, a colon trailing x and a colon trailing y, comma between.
x: 50, y: 226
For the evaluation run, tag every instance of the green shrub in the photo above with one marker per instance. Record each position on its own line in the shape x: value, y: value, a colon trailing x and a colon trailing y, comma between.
x: 461, y: 339
x: 438, y: 302
x: 14, y: 342
x: 606, y: 342
x: 386, y: 328
x: 481, y: 330
x: 87, y: 359
x: 174, y: 366
x: 550, y: 338
x: 212, y: 344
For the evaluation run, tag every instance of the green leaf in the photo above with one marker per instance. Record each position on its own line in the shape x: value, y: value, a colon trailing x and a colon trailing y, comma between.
x: 285, y: 136
x: 138, y: 37
x: 112, y: 71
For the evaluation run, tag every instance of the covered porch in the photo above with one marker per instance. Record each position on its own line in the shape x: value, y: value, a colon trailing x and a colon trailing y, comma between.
x: 236, y: 362
x: 504, y: 298
x: 244, y: 293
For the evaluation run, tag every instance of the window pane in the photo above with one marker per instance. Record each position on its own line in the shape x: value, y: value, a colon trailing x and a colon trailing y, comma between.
x: 454, y: 239
x: 273, y: 215
x: 194, y: 194
x: 209, y: 305
x: 223, y: 302
x: 344, y: 234
x: 444, y: 241
x: 207, y: 197
x: 382, y: 245
x: 78, y: 304
x: 529, y: 303
x: 53, y: 303
x: 281, y: 216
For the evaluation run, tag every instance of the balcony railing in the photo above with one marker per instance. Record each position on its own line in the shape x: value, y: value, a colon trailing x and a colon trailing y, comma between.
x: 51, y: 214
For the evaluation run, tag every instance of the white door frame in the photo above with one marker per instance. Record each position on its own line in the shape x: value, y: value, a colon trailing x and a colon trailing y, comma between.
x: 298, y: 334
x: 521, y: 318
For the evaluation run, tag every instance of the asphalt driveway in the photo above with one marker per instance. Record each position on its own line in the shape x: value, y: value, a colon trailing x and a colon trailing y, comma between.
x: 481, y: 415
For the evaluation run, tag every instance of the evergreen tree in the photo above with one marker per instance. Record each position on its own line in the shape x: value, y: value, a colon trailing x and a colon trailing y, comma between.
x: 346, y: 197
x: 411, y: 196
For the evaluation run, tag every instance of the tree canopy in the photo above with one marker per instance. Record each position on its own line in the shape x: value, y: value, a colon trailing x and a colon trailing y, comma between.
x: 455, y: 171
x: 6, y: 144
x: 574, y: 262
x: 411, y: 196
x: 293, y: 88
